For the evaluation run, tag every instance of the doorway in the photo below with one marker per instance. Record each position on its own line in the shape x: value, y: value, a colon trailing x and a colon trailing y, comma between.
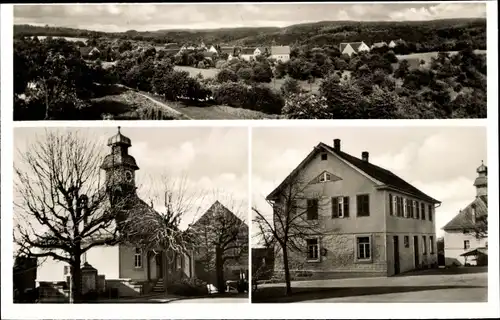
x: 159, y: 265
x: 415, y: 251
x: 396, y: 254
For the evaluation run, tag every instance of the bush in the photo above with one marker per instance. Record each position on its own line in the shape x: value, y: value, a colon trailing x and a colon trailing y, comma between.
x: 290, y: 86
x: 238, y: 95
x: 189, y: 287
x: 226, y: 75
x: 306, y: 106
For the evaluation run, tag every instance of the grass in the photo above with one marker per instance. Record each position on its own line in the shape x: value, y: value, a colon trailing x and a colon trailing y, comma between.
x: 193, y: 72
x: 127, y: 105
x: 212, y: 112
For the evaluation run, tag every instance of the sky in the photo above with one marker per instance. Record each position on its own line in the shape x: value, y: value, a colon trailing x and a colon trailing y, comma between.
x: 440, y: 161
x: 150, y: 17
x: 212, y: 163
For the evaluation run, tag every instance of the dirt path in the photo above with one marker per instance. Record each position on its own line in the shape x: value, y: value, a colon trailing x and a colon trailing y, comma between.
x: 163, y: 105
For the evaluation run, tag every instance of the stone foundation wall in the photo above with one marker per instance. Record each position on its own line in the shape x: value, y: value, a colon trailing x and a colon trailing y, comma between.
x: 339, y: 256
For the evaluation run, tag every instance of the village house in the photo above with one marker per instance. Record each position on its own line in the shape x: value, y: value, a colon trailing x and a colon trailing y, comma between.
x: 280, y: 53
x: 129, y: 270
x: 247, y: 54
x: 461, y: 245
x: 392, y: 44
x: 350, y: 48
x: 371, y: 222
x: 89, y: 52
x: 236, y: 267
x: 260, y: 50
x: 212, y: 49
x: 229, y: 51
x: 379, y: 45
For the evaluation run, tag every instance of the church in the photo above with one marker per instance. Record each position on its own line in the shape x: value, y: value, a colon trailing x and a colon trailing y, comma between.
x: 462, y: 244
x: 129, y: 270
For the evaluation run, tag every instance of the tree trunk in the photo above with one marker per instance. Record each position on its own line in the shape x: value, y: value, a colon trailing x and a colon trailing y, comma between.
x: 76, y: 281
x: 287, y: 272
x: 219, y: 270
x: 46, y: 101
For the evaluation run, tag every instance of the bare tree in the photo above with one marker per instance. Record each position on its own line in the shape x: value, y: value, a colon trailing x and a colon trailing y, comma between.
x: 159, y: 229
x: 62, y: 209
x: 222, y: 236
x: 295, y: 217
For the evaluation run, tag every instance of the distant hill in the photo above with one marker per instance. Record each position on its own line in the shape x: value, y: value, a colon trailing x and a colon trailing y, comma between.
x: 313, y: 34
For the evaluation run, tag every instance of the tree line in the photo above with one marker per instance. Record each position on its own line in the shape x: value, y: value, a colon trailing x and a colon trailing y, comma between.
x: 52, y: 80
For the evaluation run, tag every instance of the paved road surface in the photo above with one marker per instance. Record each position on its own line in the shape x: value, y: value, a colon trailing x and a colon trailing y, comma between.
x: 427, y: 286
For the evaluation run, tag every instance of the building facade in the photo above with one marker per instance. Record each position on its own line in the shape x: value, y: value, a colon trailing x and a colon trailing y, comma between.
x: 280, y: 53
x: 369, y: 221
x: 130, y: 270
x: 467, y: 231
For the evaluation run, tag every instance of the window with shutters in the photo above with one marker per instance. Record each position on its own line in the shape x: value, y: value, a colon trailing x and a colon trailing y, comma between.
x: 363, y: 205
x: 414, y: 209
x: 405, y: 208
x: 312, y: 209
x: 340, y: 207
x: 312, y: 249
x: 400, y: 206
x: 430, y: 212
x: 424, y: 240
x: 417, y: 208
x: 407, y: 241
x: 422, y: 213
x: 431, y: 244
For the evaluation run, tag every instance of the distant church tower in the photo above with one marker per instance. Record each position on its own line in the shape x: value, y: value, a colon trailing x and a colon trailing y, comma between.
x: 120, y: 168
x: 481, y: 182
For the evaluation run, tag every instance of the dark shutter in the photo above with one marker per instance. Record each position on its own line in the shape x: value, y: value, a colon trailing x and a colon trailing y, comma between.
x: 312, y: 209
x: 346, y: 207
x: 391, y: 212
x: 335, y: 207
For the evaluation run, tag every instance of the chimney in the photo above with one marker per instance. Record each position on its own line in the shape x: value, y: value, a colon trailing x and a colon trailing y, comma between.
x: 365, y: 155
x: 336, y: 144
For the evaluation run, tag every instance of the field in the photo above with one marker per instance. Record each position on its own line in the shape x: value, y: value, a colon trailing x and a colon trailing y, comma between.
x: 193, y: 72
x: 414, y: 58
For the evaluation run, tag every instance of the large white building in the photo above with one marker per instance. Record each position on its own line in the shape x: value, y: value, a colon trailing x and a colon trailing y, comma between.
x: 460, y: 238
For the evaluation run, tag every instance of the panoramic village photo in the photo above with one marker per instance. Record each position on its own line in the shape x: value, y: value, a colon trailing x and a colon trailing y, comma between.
x: 131, y: 215
x: 249, y: 61
x: 367, y: 214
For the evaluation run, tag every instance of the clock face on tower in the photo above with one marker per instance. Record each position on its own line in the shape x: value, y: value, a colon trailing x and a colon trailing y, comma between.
x: 128, y: 176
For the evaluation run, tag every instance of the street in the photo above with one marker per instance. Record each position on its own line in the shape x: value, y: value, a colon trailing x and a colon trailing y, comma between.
x: 168, y: 298
x: 437, y: 285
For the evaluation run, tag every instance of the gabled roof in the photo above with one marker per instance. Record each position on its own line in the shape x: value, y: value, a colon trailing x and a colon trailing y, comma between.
x: 379, y: 44
x: 262, y: 49
x: 385, y: 177
x: 219, y: 208
x: 228, y: 50
x: 85, y: 51
x: 280, y: 50
x: 463, y: 220
x: 247, y: 51
x: 354, y: 45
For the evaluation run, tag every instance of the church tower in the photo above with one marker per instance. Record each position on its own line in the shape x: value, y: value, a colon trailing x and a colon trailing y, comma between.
x: 481, y: 182
x: 120, y: 168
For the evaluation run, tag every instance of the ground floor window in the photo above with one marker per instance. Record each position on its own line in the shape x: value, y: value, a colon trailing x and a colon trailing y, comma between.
x: 431, y: 244
x: 364, y: 247
x: 138, y: 258
x: 312, y: 249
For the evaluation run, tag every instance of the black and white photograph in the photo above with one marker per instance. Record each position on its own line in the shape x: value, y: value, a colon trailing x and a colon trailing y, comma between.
x: 131, y: 215
x: 250, y: 61
x: 367, y: 214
